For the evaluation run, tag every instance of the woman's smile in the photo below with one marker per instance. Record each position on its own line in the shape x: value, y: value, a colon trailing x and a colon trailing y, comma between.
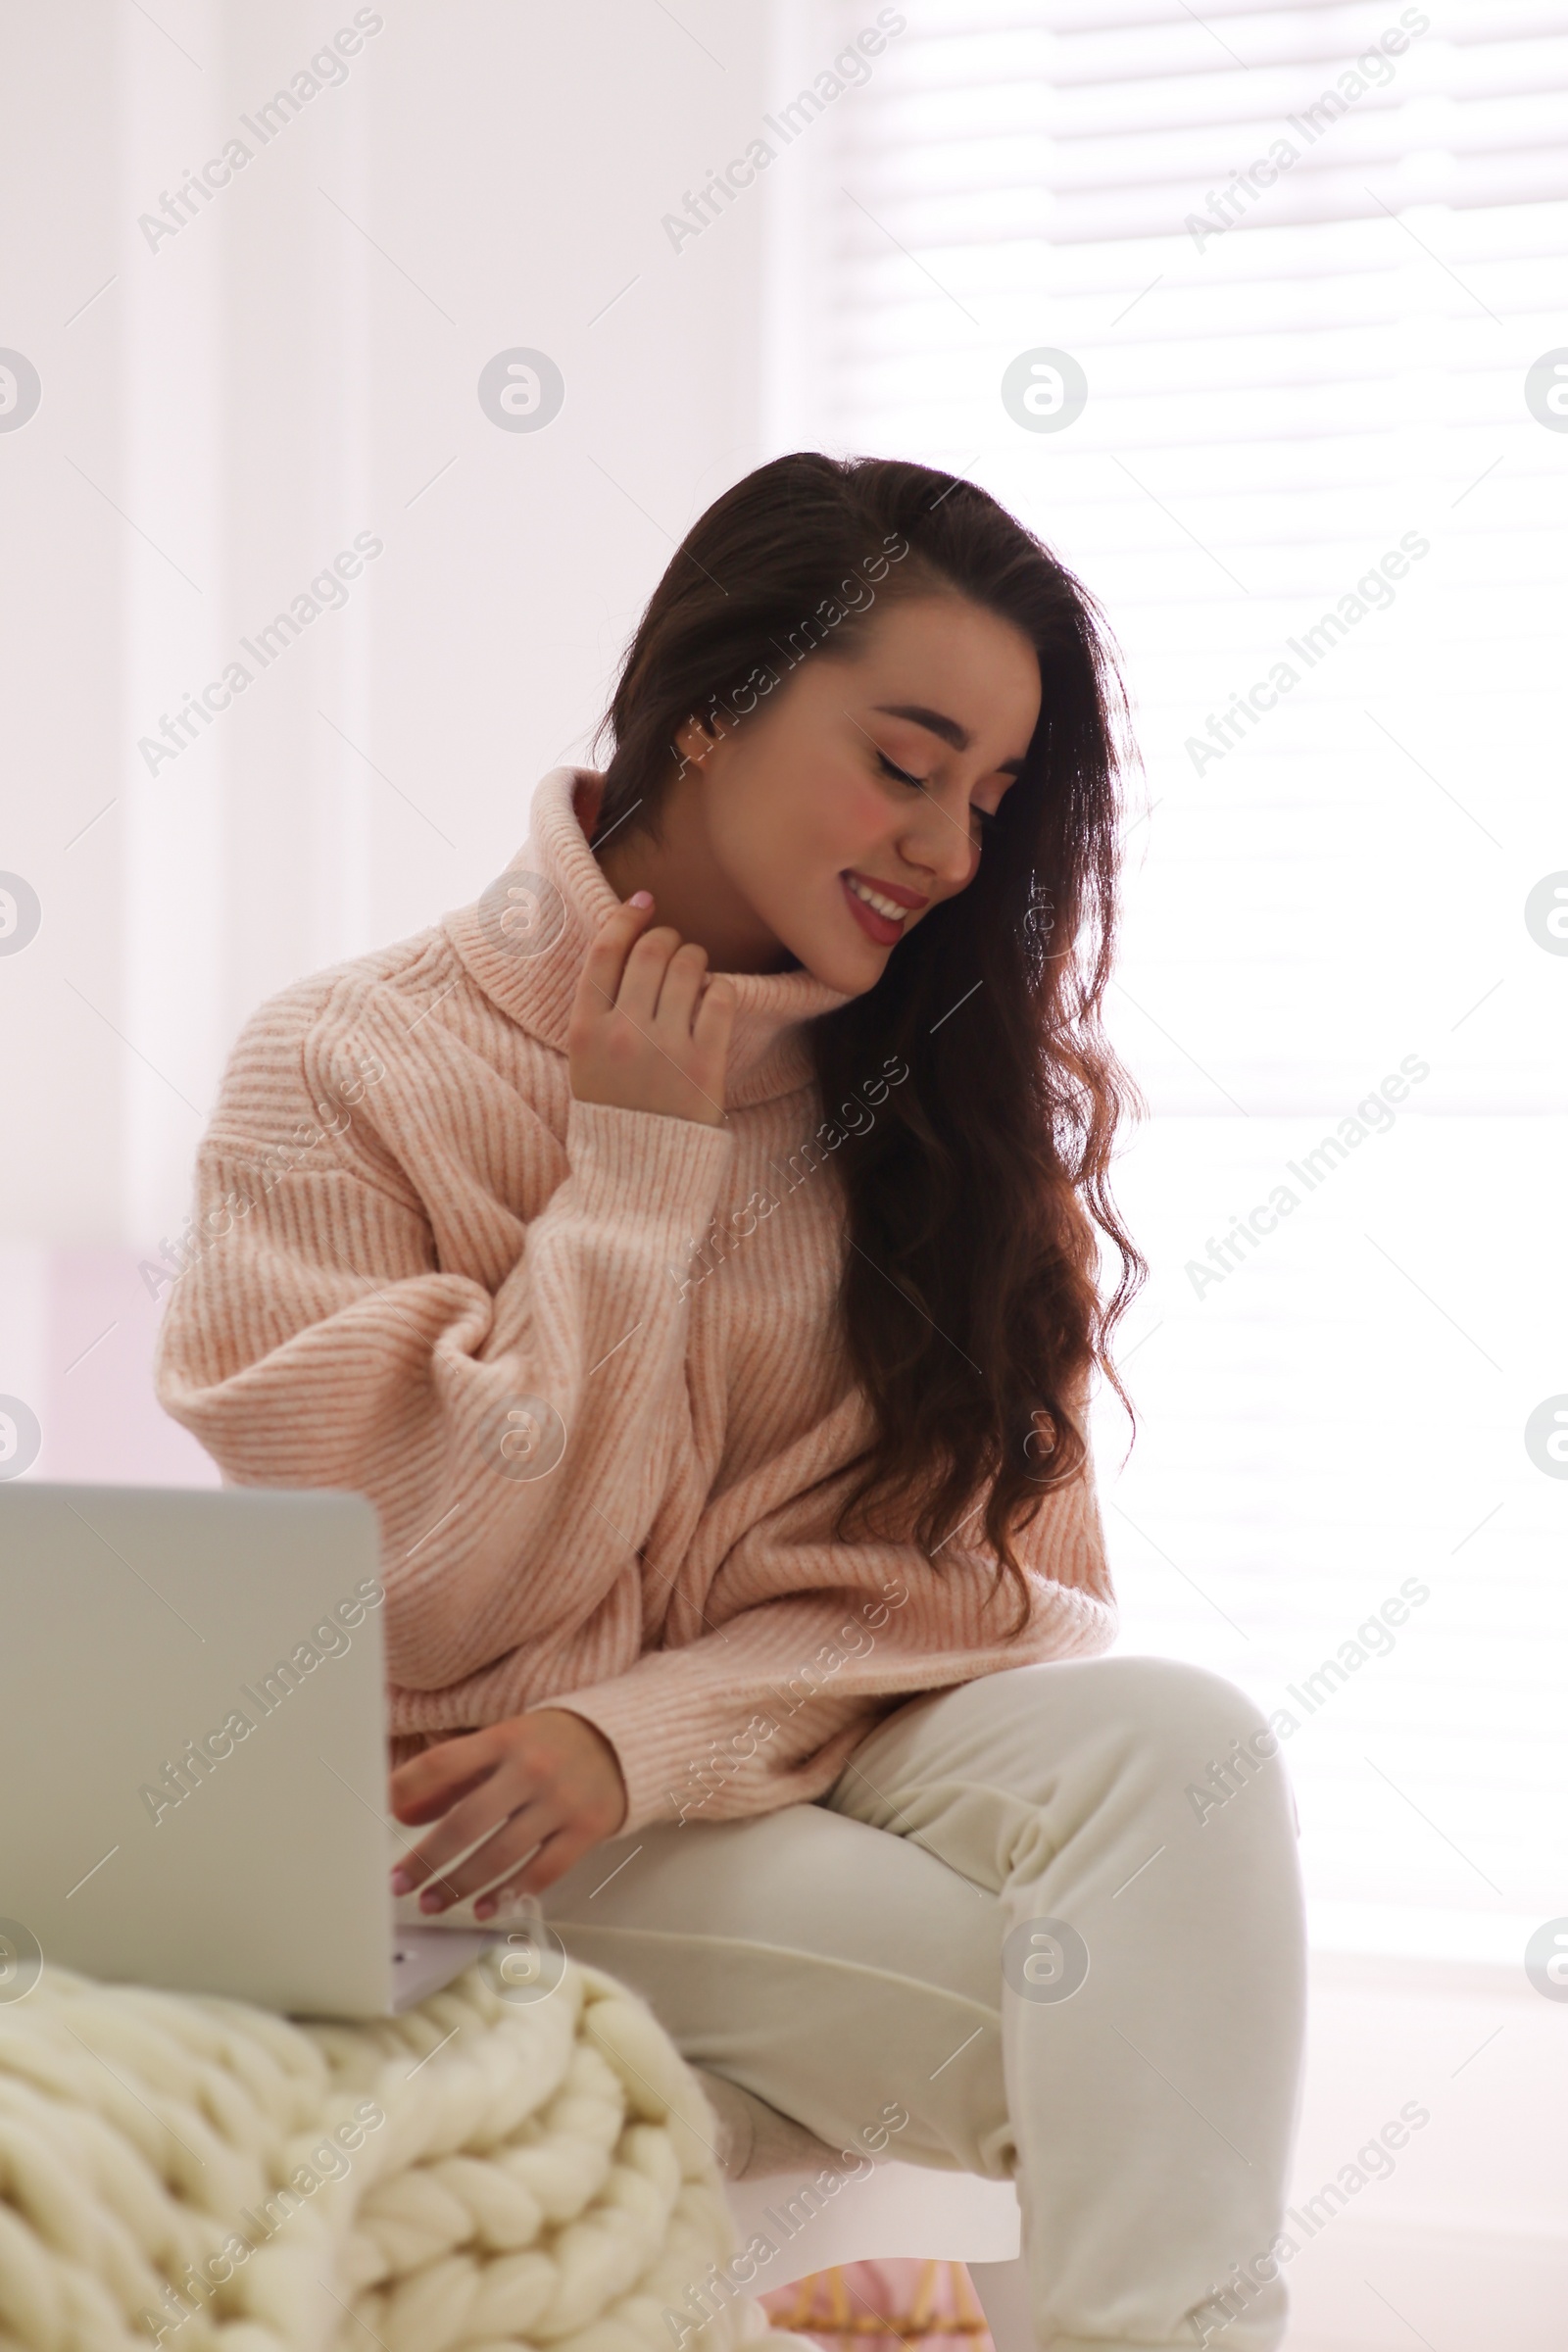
x: 875, y: 910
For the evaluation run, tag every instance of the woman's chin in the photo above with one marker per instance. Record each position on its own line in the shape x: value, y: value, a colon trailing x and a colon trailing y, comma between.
x: 836, y: 953
x: 850, y: 970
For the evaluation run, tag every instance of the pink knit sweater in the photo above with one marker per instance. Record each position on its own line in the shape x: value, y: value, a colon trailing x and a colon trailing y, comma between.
x: 582, y: 1361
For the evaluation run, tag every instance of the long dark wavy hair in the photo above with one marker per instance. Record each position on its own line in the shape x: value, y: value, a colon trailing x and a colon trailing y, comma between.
x: 970, y: 1301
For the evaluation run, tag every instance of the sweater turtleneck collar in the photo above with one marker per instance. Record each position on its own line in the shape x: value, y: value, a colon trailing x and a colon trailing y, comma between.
x: 525, y: 940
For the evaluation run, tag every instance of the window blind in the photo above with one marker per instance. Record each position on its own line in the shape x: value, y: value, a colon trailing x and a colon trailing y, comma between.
x: 1309, y: 262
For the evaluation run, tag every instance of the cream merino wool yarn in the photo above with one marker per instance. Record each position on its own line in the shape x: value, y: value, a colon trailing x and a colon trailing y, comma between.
x: 479, y: 2175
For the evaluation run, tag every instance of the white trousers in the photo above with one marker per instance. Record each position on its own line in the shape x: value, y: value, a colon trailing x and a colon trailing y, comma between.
x: 1011, y: 1920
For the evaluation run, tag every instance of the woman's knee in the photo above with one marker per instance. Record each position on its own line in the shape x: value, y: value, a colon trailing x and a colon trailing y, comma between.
x: 1179, y: 1716
x: 1167, y: 1695
x: 1181, y: 1701
x: 1149, y: 1724
x: 1195, y: 1732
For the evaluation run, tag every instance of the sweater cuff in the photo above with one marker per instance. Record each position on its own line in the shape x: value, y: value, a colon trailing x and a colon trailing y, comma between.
x: 654, y: 1755
x: 643, y: 1162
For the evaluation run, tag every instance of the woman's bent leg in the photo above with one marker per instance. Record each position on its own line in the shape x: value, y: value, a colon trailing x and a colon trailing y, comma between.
x: 828, y: 1969
x: 1133, y: 1818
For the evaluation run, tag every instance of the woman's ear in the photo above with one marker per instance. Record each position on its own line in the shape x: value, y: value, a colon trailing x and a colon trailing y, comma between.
x: 695, y: 738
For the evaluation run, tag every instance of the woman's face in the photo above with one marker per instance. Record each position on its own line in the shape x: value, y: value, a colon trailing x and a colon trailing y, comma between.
x: 867, y: 772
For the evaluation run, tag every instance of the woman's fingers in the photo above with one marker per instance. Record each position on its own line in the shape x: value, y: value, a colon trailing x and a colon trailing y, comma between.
x: 509, y: 1846
x: 649, y: 974
x: 632, y: 1038
x: 644, y: 976
x: 682, y: 984
x: 714, y: 1021
x: 556, y: 1855
x: 438, y: 1777
x: 553, y: 1787
x: 606, y: 959
x: 496, y: 1798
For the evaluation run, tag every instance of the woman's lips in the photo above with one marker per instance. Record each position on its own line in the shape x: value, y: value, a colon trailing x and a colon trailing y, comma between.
x: 876, y: 926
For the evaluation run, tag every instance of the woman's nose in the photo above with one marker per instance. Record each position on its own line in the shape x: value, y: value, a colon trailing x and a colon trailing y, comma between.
x: 939, y: 845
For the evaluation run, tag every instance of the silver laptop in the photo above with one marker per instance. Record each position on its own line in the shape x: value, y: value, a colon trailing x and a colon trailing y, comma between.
x: 193, y: 1756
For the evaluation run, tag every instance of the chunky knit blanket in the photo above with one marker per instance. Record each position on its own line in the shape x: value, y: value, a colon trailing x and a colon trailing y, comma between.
x: 481, y: 2173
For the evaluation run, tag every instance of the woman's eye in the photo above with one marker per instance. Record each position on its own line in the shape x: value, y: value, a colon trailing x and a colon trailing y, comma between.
x: 987, y: 816
x: 901, y: 775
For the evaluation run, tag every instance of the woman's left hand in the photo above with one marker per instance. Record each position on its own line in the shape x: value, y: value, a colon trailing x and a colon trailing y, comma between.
x: 546, y: 1780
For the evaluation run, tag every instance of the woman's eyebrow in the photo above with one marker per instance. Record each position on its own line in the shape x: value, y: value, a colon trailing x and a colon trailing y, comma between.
x: 937, y: 723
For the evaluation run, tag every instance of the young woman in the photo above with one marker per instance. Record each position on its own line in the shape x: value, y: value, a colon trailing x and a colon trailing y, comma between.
x: 692, y: 1250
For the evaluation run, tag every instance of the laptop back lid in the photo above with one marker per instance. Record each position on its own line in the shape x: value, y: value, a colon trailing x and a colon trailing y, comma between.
x: 192, y: 1741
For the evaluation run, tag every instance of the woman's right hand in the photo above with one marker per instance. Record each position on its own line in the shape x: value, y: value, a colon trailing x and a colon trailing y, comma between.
x: 650, y: 1027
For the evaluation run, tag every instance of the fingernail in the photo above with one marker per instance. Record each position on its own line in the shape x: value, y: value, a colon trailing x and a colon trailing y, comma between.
x: 485, y: 1907
x: 401, y: 1882
x: 430, y: 1900
x: 641, y: 898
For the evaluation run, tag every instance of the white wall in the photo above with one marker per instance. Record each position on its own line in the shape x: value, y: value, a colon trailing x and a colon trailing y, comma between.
x: 297, y: 364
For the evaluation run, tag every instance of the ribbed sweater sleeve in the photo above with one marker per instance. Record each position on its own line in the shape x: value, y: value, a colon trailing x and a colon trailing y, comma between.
x: 316, y: 1341
x: 765, y: 1711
